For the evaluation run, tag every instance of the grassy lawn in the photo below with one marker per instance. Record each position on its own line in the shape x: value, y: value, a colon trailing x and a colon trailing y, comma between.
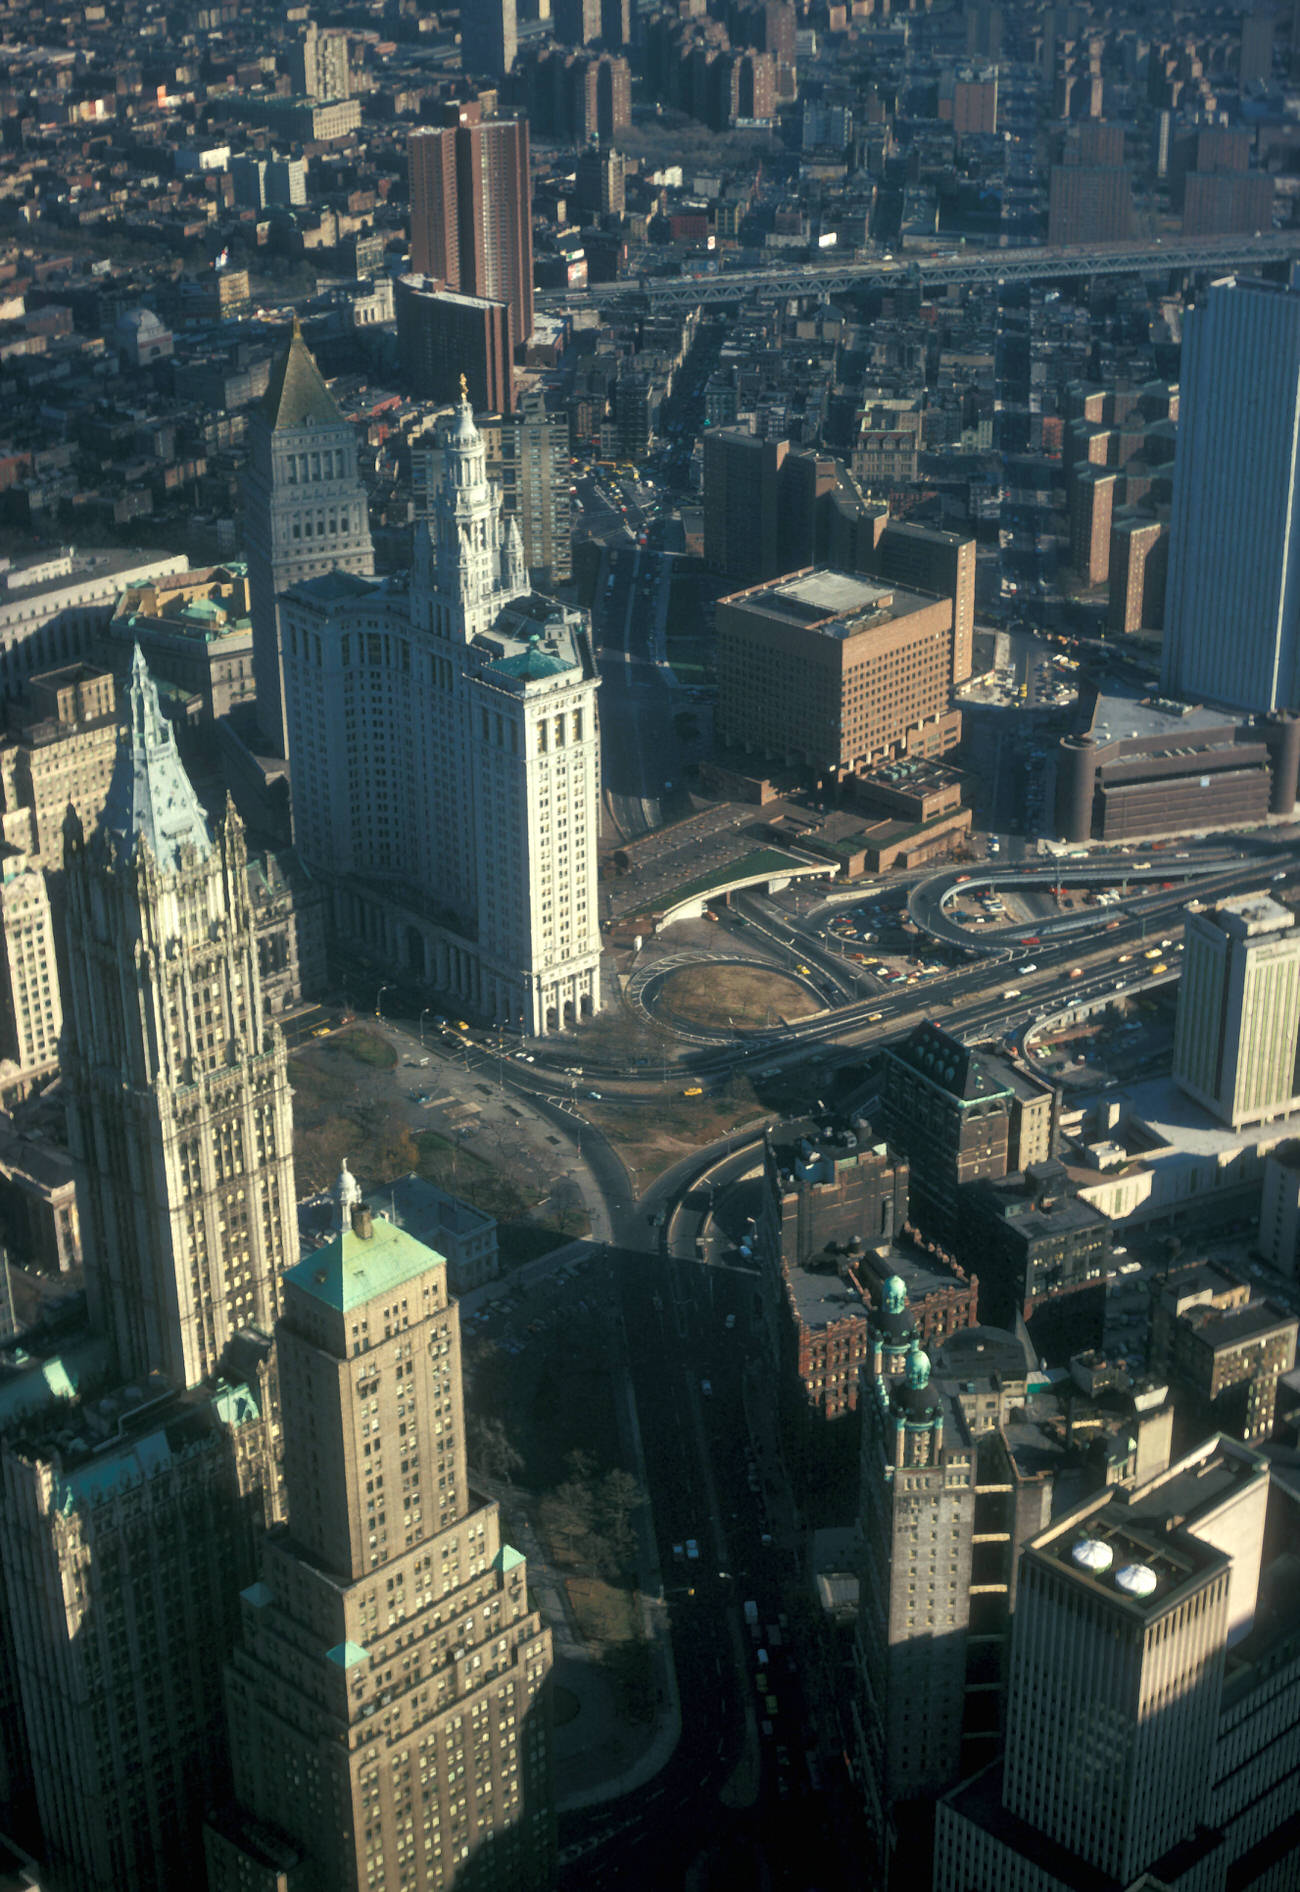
x: 364, y: 1047
x: 716, y: 995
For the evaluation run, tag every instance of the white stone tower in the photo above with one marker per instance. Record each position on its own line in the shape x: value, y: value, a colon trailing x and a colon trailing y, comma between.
x: 469, y: 555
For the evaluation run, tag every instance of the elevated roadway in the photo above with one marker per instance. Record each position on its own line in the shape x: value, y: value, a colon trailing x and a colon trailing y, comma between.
x: 927, y: 901
x: 1037, y: 264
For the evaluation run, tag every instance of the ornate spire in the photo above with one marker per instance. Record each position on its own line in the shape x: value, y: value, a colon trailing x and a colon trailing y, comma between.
x: 347, y: 1194
x: 150, y: 797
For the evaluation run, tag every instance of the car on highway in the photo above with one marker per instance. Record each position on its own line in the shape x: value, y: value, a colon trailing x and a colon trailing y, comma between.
x: 1029, y: 966
x: 692, y: 1090
x: 803, y: 972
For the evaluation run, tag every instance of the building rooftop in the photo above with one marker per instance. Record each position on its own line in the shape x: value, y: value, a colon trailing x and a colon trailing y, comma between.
x: 353, y: 1270
x: 297, y: 395
x: 419, y: 1205
x: 1248, y: 915
x: 1123, y: 712
x: 973, y: 1353
x: 948, y: 1063
x: 821, y: 1296
x: 150, y: 797
x: 1221, y: 1328
x: 812, y: 1149
x: 824, y: 594
x: 1141, y: 1549
x: 833, y: 604
x: 330, y: 587
x: 1175, y: 1129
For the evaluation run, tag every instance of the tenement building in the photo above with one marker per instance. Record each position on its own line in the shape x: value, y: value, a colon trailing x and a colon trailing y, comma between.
x: 388, y: 1703
x: 446, y: 764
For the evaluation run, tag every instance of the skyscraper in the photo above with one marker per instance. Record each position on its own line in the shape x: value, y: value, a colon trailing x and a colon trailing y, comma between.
x: 178, y: 1102
x: 124, y: 1547
x: 305, y: 510
x: 129, y: 1520
x: 444, y: 336
x: 1232, y: 598
x: 471, y: 210
x: 388, y: 1706
x: 1238, y: 1027
x: 535, y: 487
x: 446, y: 775
x: 918, y: 1504
x: 489, y: 38
x: 1153, y: 1696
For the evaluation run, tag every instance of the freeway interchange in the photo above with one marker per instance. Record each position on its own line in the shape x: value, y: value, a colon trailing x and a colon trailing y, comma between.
x: 759, y: 1765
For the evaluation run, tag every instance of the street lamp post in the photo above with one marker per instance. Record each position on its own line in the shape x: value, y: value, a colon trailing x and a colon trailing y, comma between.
x: 423, y: 1015
x: 379, y: 1002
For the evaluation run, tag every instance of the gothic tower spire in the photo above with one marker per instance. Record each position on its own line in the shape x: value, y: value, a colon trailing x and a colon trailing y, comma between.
x: 178, y: 1100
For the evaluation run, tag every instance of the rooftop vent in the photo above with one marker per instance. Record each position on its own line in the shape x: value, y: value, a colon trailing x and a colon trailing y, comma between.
x: 1091, y: 1554
x: 1136, y: 1579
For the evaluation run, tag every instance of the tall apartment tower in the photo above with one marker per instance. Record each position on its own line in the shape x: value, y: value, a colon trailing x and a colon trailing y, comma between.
x: 1134, y: 1746
x: 1232, y: 597
x: 179, y: 1112
x: 1238, y: 1027
x: 489, y: 38
x: 388, y: 1706
x: 447, y: 763
x: 319, y: 64
x: 535, y: 487
x: 916, y: 1521
x: 471, y: 210
x: 577, y: 22
x: 305, y: 510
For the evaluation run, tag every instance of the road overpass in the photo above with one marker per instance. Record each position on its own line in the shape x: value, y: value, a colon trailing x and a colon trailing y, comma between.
x: 1153, y: 255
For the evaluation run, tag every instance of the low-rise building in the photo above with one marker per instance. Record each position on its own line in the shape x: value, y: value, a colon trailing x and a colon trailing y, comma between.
x: 195, y: 631
x: 464, y: 1236
x: 1034, y: 1243
x: 38, y: 1201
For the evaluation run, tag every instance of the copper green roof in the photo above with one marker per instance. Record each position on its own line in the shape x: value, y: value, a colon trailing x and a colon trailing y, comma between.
x: 530, y: 664
x: 353, y: 1269
x: 297, y: 395
x: 346, y: 1655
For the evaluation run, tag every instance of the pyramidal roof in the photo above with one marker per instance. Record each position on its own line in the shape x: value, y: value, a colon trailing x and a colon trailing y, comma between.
x: 150, y: 794
x: 297, y: 395
x: 354, y: 1269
